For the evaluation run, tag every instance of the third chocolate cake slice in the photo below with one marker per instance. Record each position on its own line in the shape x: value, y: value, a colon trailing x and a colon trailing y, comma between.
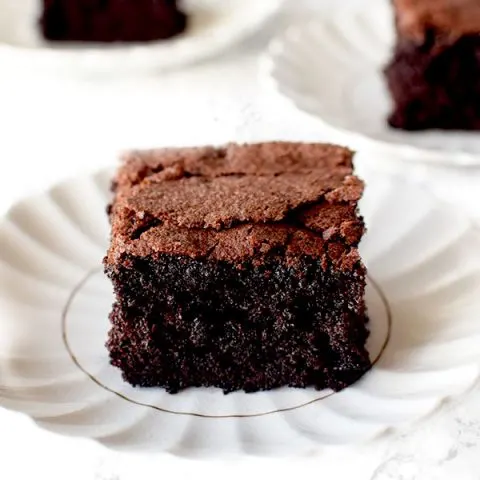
x: 111, y: 20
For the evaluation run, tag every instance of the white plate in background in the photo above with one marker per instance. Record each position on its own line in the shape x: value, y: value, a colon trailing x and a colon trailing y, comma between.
x: 332, y: 67
x: 215, y: 25
x: 424, y: 268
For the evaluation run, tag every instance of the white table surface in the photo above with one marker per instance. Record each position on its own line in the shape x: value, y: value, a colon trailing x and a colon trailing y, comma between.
x: 52, y: 128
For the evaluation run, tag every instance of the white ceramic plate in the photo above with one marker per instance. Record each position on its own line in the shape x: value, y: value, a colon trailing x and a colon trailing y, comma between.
x: 215, y: 25
x: 331, y: 67
x: 424, y: 267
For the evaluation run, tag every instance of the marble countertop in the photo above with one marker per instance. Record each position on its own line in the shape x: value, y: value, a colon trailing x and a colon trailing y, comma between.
x: 55, y: 127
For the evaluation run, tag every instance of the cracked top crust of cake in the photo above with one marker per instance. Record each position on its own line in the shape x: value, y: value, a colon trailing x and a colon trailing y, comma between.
x: 238, y: 203
x: 450, y: 18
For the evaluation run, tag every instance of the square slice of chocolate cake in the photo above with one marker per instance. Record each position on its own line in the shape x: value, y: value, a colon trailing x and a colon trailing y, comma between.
x: 111, y: 20
x: 238, y: 268
x: 434, y: 76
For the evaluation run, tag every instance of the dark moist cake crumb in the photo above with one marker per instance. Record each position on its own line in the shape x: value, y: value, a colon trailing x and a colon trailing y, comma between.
x: 237, y: 267
x: 434, y: 75
x: 111, y: 20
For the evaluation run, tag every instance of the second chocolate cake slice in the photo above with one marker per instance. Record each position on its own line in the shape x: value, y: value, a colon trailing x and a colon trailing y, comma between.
x: 238, y: 268
x: 434, y: 75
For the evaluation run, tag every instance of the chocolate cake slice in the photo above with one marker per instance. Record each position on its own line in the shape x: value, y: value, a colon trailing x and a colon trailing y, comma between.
x: 238, y: 268
x: 434, y: 76
x: 111, y: 20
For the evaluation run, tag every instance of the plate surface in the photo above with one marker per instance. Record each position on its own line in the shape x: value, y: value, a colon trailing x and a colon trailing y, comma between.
x: 331, y: 67
x: 215, y: 25
x: 424, y: 267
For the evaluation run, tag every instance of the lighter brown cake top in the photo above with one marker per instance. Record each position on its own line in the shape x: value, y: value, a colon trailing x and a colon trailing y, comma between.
x: 237, y: 202
x: 451, y: 18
